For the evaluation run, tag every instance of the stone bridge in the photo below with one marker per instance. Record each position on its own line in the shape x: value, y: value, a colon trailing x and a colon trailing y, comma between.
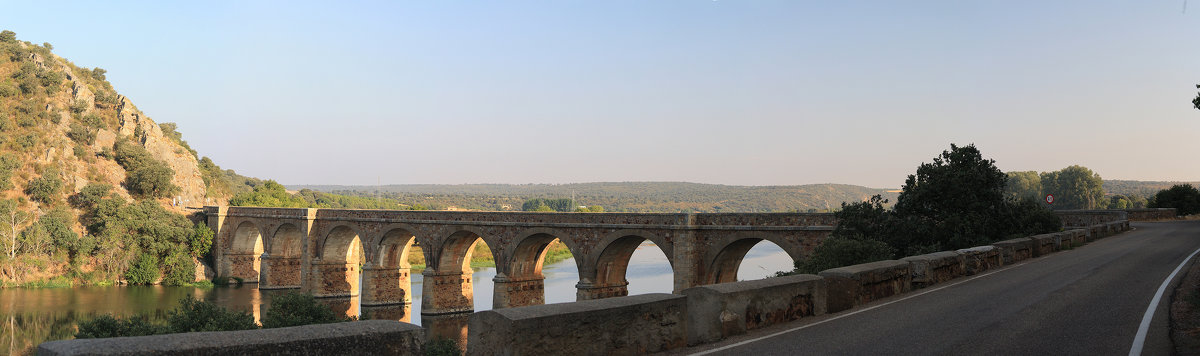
x: 325, y: 251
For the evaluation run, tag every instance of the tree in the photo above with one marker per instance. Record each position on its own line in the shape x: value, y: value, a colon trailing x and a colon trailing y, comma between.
x: 952, y: 203
x: 7, y: 36
x: 1196, y: 101
x: 1183, y: 197
x: 271, y: 194
x: 1075, y: 187
x: 152, y: 181
x: 1023, y: 185
x: 14, y: 218
x: 144, y: 270
x: 201, y: 240
x: 294, y: 309
x: 45, y: 188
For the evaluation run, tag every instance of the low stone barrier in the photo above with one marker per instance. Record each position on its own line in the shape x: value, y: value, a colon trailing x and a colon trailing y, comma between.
x: 981, y: 258
x: 623, y: 325
x: 717, y: 311
x: 937, y: 267
x: 850, y: 286
x: 1150, y: 214
x: 369, y: 337
x: 1044, y: 244
x: 1081, y: 218
x: 1015, y: 250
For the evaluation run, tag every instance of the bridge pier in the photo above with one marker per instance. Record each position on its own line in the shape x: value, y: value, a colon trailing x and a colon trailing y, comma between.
x: 512, y: 292
x: 589, y: 291
x: 280, y: 272
x: 245, y: 266
x: 334, y: 279
x: 447, y: 292
x: 386, y: 286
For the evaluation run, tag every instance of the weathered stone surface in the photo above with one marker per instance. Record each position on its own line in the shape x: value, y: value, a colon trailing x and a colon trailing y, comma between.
x: 850, y: 286
x: 1082, y: 218
x: 386, y: 286
x: 1150, y: 214
x: 937, y: 267
x: 371, y: 337
x: 1044, y: 244
x: 615, y: 326
x: 1015, y: 250
x: 718, y: 311
x: 980, y: 259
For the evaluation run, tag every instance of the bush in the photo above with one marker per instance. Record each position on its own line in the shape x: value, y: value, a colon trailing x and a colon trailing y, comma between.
x: 179, y: 270
x: 295, y: 309
x: 1183, y: 197
x: 45, y: 188
x: 201, y: 240
x: 81, y: 135
x: 197, y: 315
x: 442, y: 347
x: 839, y: 251
x: 144, y: 270
x: 151, y: 181
x: 108, y: 326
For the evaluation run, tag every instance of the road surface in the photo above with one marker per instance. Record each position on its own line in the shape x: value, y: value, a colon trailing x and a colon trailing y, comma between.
x: 1087, y: 301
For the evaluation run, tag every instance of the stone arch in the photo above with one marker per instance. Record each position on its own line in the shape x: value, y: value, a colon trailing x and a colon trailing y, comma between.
x: 337, y: 272
x: 393, y: 247
x: 282, y: 262
x: 331, y: 236
x: 607, y: 274
x: 247, y: 238
x: 727, y: 259
x: 342, y: 244
x: 447, y: 284
x: 244, y: 257
x: 386, y: 277
x: 455, y: 252
x: 525, y: 257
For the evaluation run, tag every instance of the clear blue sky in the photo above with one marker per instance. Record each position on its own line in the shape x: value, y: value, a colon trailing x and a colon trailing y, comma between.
x: 730, y: 92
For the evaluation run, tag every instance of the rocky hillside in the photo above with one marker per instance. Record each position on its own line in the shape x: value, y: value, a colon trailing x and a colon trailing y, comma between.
x: 61, y: 118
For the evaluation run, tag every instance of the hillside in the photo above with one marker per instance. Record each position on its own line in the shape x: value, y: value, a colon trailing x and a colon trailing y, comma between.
x: 88, y: 182
x: 1139, y: 188
x: 618, y: 196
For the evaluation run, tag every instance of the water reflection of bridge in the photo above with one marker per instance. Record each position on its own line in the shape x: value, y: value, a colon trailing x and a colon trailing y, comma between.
x: 327, y: 252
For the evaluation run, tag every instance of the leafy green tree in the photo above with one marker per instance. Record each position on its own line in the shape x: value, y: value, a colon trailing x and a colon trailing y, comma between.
x: 952, y: 203
x: 1024, y: 185
x: 178, y: 269
x: 35, y: 240
x: 270, y: 194
x: 1075, y: 187
x: 201, y: 240
x: 144, y: 270
x: 836, y: 252
x: 7, y: 36
x: 294, y: 309
x: 1183, y: 197
x: 58, y: 224
x: 46, y: 188
x: 1196, y: 101
x: 8, y: 163
x: 152, y: 181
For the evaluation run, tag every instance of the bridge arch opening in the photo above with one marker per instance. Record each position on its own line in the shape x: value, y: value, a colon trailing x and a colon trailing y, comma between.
x: 340, y: 267
x: 761, y: 257
x: 450, y: 286
x: 282, y: 263
x: 524, y: 280
x: 387, y: 280
x: 245, y: 257
x: 630, y: 265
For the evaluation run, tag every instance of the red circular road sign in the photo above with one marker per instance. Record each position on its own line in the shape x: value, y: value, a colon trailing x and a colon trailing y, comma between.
x: 1049, y: 198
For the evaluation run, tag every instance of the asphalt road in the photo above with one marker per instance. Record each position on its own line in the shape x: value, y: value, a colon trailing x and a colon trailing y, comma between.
x: 1085, y: 301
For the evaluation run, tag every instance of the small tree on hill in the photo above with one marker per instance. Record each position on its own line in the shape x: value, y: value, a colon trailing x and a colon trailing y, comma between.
x: 1183, y: 197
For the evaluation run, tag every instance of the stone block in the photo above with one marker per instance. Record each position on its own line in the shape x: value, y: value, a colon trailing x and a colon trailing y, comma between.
x: 850, y: 286
x: 1044, y: 244
x: 717, y: 311
x: 1015, y: 250
x: 934, y: 268
x: 637, y: 324
x: 980, y: 259
x: 370, y: 337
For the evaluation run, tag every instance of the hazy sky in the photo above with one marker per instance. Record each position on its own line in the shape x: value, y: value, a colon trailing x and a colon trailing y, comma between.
x: 729, y: 92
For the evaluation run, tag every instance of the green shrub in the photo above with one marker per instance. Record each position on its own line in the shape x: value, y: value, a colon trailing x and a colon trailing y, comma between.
x: 108, y: 326
x: 46, y: 188
x: 1183, y: 197
x: 201, y: 240
x: 179, y: 270
x: 8, y: 89
x: 144, y: 270
x: 294, y: 309
x: 151, y: 181
x: 839, y: 251
x: 81, y: 134
x: 197, y: 315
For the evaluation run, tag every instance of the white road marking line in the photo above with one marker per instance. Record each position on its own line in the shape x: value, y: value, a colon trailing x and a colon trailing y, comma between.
x: 726, y: 347
x: 1139, y: 341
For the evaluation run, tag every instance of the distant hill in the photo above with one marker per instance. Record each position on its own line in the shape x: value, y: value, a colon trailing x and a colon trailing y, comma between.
x: 1139, y: 188
x: 619, y: 196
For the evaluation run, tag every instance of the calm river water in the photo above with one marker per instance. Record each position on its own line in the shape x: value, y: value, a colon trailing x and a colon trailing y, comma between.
x: 32, y: 316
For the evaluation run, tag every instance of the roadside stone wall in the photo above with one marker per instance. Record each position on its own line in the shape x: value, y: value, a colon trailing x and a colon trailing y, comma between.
x: 856, y: 285
x: 627, y: 325
x: 1083, y: 218
x: 371, y: 337
x: 1151, y: 214
x: 937, y: 267
x: 1015, y: 250
x: 979, y: 259
x: 721, y: 310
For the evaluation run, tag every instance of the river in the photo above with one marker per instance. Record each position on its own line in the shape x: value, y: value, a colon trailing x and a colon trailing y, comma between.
x: 32, y: 316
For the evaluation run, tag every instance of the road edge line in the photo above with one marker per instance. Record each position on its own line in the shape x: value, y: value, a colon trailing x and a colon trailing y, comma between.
x: 1139, y: 341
